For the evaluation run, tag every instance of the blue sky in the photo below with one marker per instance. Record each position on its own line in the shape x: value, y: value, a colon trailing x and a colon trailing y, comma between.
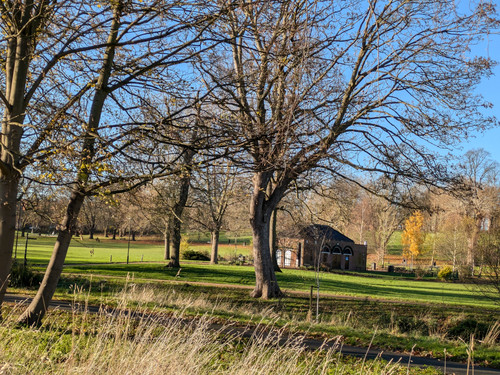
x: 490, y: 89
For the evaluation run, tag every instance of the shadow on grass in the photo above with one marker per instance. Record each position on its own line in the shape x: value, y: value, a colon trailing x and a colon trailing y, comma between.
x: 345, y: 284
x: 189, y: 272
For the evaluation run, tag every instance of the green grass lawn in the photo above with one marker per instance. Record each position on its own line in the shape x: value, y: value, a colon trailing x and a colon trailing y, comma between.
x: 107, y: 250
x: 378, y: 287
x: 373, y: 285
x: 390, y: 302
x: 40, y: 249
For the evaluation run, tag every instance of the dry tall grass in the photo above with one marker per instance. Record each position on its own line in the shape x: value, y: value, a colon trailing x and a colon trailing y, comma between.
x: 122, y: 343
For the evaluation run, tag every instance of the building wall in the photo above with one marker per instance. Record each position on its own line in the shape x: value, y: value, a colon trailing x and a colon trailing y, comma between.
x: 333, y: 255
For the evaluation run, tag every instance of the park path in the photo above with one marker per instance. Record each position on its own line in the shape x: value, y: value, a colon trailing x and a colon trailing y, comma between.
x: 448, y: 367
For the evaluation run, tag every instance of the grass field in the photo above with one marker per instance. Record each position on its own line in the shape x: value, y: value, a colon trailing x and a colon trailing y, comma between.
x: 107, y: 250
x: 394, y: 312
x: 368, y: 284
x: 359, y: 285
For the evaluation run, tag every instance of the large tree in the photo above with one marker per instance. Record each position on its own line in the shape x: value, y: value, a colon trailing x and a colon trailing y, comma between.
x: 479, y: 198
x: 142, y: 43
x: 350, y: 85
x: 35, y: 37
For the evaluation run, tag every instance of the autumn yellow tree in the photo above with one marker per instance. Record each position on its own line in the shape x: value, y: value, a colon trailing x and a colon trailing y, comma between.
x: 413, y: 236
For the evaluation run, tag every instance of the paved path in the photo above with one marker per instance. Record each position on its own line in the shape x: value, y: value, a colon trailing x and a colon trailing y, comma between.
x: 311, y: 343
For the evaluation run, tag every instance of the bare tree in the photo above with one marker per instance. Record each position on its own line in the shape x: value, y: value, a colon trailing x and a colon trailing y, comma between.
x: 180, y: 202
x: 213, y: 190
x: 141, y: 43
x: 489, y: 253
x: 480, y: 174
x: 334, y: 203
x: 386, y: 217
x: 36, y: 37
x: 356, y: 85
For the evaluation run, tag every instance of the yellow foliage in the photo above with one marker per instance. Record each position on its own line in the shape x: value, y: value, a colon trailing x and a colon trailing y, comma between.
x: 413, y: 236
x: 184, y: 243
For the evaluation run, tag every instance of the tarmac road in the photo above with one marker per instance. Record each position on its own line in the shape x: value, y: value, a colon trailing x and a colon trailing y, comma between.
x: 312, y: 344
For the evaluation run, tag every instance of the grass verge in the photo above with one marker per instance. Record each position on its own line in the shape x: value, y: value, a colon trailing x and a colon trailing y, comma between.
x: 118, y: 343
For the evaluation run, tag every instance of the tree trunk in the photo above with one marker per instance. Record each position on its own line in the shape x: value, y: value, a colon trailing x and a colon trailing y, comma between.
x: 215, y: 247
x: 13, y: 117
x: 91, y: 234
x: 266, y: 285
x: 176, y: 244
x: 36, y: 310
x: 34, y: 314
x: 114, y: 234
x: 273, y: 240
x: 8, y: 194
x: 185, y: 181
x: 166, y: 237
x: 472, y: 244
x: 20, y: 38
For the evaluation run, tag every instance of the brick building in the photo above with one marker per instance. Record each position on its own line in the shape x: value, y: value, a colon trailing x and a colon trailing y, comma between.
x: 321, y: 245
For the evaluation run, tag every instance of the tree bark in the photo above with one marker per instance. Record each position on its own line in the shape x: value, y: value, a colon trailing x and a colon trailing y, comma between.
x: 273, y: 241
x: 215, y: 247
x: 472, y: 243
x: 178, y: 209
x: 36, y: 310
x: 18, y: 58
x: 166, y: 238
x: 34, y: 314
x: 266, y: 285
x: 176, y: 244
x: 8, y: 193
x: 177, y: 223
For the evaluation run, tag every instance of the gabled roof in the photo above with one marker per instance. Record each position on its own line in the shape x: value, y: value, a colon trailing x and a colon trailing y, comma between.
x: 319, y: 231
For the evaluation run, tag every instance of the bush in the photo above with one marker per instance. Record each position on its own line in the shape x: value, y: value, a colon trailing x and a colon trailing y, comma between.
x: 24, y: 277
x: 195, y: 255
x: 407, y: 324
x: 184, y: 246
x: 463, y: 329
x: 240, y: 260
x: 445, y: 273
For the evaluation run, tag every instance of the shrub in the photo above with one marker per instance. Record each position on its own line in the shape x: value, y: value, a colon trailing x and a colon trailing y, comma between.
x: 184, y: 246
x: 240, y: 260
x: 466, y: 327
x: 407, y: 324
x: 25, y: 277
x: 445, y: 273
x: 420, y: 273
x: 195, y: 255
